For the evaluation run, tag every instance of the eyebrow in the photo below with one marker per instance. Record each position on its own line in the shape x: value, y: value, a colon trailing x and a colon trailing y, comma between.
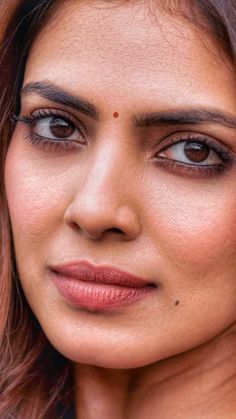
x: 185, y: 117
x: 55, y: 94
x: 169, y: 118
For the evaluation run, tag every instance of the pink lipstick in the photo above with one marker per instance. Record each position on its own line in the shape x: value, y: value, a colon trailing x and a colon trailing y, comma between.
x: 98, y: 288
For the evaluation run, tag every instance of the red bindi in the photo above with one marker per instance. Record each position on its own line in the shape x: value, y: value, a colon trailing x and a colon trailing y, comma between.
x: 115, y: 115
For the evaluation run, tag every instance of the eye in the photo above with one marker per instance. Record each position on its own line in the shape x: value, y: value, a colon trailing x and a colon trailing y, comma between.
x: 192, y: 152
x: 56, y: 127
x: 53, y: 130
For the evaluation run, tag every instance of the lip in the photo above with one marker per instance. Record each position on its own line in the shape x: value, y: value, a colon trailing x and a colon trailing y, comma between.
x: 99, y: 288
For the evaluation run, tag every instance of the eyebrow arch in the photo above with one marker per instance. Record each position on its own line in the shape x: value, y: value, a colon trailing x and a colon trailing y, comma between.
x: 55, y: 94
x: 185, y: 117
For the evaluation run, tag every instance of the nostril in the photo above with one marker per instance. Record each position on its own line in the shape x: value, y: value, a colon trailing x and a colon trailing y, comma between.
x: 98, y: 221
x: 115, y: 230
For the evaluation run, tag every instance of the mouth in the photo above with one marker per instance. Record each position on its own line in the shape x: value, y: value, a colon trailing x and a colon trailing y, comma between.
x: 99, y: 288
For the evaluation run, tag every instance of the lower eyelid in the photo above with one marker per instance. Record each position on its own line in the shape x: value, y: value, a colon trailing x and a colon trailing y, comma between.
x: 50, y: 145
x: 192, y: 170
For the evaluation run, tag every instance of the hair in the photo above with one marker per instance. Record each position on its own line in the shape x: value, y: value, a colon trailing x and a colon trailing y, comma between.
x: 34, y: 378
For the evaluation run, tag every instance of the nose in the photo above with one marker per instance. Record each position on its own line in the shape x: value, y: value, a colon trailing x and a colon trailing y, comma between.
x: 104, y: 203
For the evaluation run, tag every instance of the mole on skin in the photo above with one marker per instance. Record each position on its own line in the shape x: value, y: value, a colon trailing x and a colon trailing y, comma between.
x: 115, y: 115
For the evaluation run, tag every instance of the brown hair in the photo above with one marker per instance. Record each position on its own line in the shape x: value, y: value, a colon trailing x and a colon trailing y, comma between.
x: 34, y: 377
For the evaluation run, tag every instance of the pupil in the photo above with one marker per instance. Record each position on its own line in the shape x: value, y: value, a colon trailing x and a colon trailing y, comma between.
x: 61, y: 128
x: 196, y: 152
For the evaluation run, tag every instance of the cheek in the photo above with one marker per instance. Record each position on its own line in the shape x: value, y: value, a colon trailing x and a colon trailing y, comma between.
x: 37, y: 197
x: 194, y: 224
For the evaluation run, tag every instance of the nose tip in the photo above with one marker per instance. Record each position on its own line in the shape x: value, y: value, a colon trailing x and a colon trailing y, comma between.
x: 101, y: 220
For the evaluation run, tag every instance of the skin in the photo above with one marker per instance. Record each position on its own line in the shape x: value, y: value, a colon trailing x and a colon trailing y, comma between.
x: 174, y: 226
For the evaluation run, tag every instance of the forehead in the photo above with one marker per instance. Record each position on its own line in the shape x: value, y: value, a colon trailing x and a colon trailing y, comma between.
x: 123, y: 47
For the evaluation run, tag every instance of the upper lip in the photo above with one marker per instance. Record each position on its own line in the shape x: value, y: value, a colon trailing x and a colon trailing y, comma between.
x: 85, y: 271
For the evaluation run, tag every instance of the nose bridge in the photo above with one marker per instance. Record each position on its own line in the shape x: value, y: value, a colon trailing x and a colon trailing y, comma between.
x: 103, y: 201
x: 107, y: 174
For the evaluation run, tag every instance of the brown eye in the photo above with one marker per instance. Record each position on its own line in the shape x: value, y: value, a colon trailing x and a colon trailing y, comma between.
x: 61, y: 128
x: 196, y: 152
x: 57, y: 128
x: 191, y: 152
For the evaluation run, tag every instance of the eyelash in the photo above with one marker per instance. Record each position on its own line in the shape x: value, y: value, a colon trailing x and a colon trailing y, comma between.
x: 47, y: 143
x: 217, y: 169
x: 224, y: 154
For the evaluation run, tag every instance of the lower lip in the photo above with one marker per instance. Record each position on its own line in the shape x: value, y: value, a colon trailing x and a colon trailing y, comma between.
x: 98, y: 297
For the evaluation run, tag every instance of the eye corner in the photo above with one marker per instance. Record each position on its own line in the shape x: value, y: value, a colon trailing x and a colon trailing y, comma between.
x: 67, y: 132
x: 196, y: 153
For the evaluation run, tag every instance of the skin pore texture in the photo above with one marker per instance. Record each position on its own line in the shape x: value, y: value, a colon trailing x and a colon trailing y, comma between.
x: 118, y: 198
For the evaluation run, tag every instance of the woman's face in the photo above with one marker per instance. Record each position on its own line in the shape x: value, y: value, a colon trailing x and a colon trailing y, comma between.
x: 124, y: 159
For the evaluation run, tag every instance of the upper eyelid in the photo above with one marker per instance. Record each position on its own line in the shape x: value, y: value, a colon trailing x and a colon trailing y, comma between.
x: 41, y: 113
x: 53, y: 110
x: 47, y: 112
x: 198, y: 139
x: 182, y: 136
